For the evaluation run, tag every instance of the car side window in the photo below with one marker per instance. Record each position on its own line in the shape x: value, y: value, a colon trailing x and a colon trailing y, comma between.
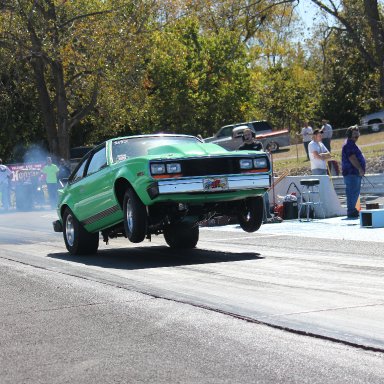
x: 98, y: 161
x: 261, y: 126
x: 79, y: 174
x: 226, y: 131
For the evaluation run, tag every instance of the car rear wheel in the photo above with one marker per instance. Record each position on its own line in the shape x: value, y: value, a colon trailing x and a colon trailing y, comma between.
x: 251, y: 213
x: 77, y: 239
x: 181, y: 235
x: 272, y: 147
x: 135, y: 217
x: 375, y: 125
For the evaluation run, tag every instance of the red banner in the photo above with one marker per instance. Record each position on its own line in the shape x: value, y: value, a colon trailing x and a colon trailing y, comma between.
x: 24, y: 172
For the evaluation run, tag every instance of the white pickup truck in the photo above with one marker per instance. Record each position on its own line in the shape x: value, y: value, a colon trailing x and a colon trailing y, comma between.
x: 231, y: 136
x: 374, y: 122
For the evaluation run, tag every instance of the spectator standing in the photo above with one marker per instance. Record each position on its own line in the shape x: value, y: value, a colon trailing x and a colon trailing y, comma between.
x: 64, y: 170
x: 318, y: 154
x: 327, y: 134
x: 306, y: 133
x: 50, y: 171
x: 5, y: 177
x: 353, y: 169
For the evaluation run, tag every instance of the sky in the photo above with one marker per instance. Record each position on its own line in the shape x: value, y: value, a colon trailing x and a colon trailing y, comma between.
x: 307, y: 11
x: 311, y: 14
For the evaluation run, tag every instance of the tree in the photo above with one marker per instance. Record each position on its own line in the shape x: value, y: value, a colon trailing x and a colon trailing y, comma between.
x: 362, y: 23
x: 43, y: 34
x: 20, y: 123
x: 196, y: 82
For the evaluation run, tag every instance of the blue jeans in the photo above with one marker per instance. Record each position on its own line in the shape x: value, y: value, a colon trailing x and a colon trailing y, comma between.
x: 267, y: 208
x: 52, y: 194
x: 4, y: 189
x: 352, y: 191
x: 306, y: 143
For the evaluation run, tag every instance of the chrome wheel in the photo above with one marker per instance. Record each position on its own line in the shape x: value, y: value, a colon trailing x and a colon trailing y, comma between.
x: 69, y: 230
x: 77, y: 239
x: 272, y: 147
x: 135, y: 217
x: 129, y: 215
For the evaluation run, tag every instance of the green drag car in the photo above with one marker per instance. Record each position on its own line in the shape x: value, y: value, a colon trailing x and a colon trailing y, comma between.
x: 167, y: 184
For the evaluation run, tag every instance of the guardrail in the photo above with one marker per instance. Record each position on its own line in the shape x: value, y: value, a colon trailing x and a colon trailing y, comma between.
x: 370, y: 185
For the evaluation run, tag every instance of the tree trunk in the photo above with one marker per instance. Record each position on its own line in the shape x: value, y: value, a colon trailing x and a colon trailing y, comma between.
x: 63, y: 129
x: 46, y: 105
x: 375, y: 24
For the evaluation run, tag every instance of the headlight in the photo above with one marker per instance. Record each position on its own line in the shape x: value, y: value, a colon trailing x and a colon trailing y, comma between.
x: 260, y: 162
x: 173, y: 168
x: 157, y: 169
x: 245, y: 163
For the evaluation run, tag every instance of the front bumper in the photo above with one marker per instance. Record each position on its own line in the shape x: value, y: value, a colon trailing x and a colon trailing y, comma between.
x: 212, y: 184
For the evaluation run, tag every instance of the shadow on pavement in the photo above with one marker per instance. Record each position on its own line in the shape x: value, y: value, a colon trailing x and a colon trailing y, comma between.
x: 154, y: 257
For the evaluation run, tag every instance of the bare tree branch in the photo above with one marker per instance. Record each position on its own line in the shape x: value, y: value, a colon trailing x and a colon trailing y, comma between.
x: 86, y: 110
x: 78, y: 75
x: 349, y: 29
x: 85, y: 15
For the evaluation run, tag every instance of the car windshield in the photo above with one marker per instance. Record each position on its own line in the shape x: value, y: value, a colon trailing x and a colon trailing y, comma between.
x: 126, y: 148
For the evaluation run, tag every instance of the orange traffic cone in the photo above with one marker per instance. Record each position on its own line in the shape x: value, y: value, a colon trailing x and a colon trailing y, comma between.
x: 358, y: 205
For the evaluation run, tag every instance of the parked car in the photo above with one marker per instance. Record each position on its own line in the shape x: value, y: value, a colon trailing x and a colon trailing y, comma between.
x: 374, y: 122
x: 147, y: 185
x: 230, y: 136
x: 76, y: 154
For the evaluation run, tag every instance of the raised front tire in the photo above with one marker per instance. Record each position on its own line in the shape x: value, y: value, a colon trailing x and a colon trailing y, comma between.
x: 181, y: 235
x: 135, y: 217
x: 77, y: 239
x: 251, y: 213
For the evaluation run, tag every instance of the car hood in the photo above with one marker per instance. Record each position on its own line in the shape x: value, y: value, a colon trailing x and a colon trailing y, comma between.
x: 198, y: 149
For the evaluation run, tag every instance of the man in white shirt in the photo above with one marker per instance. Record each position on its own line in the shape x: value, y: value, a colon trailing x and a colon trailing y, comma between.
x: 318, y: 154
x: 327, y: 134
x: 306, y: 132
x: 5, y: 176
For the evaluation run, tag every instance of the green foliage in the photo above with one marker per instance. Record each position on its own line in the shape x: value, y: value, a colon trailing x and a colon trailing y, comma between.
x: 195, y: 83
x: 286, y: 95
x: 349, y: 89
x: 20, y: 122
x: 116, y: 67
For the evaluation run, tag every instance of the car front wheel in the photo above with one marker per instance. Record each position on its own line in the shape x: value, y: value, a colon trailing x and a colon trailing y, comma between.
x: 77, y: 239
x: 135, y: 217
x: 251, y: 213
x: 181, y: 235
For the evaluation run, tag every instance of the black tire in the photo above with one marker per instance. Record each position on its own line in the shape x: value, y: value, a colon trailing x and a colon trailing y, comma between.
x: 181, y: 235
x: 135, y: 217
x: 77, y: 239
x: 251, y: 213
x: 272, y: 147
x: 375, y: 125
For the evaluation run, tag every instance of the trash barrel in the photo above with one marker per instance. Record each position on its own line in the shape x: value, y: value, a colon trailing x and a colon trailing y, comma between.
x: 24, y: 196
x: 290, y: 210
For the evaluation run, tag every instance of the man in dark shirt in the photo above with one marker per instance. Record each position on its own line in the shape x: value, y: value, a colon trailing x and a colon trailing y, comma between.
x: 250, y: 143
x: 353, y: 168
x: 64, y: 172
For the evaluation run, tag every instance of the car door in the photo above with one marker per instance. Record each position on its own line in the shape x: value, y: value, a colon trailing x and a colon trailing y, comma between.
x: 95, y: 198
